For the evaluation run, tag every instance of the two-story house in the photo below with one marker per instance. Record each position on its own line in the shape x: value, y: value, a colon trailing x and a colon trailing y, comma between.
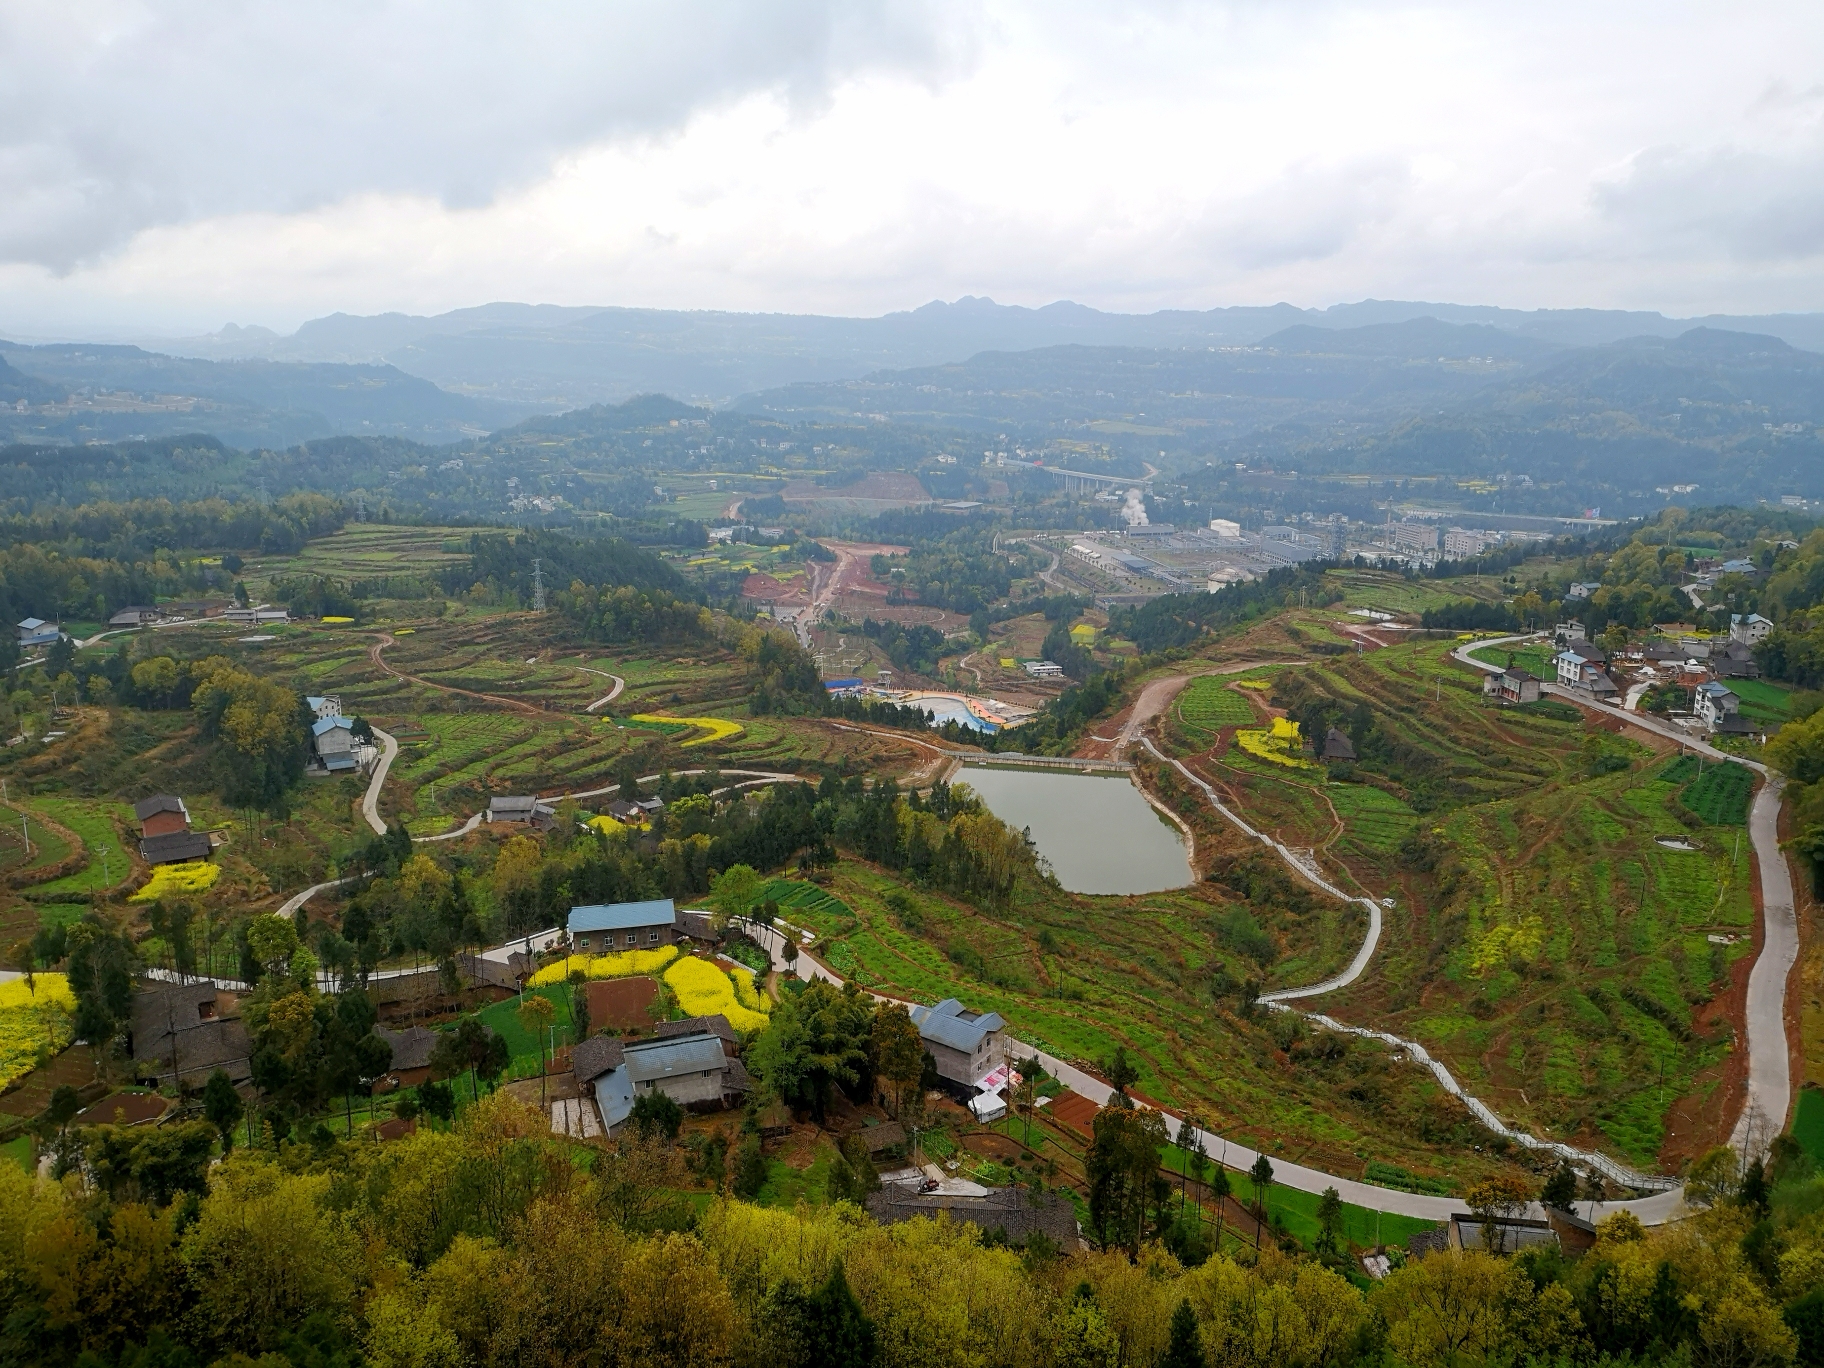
x: 1749, y: 629
x: 1582, y: 665
x: 967, y: 1046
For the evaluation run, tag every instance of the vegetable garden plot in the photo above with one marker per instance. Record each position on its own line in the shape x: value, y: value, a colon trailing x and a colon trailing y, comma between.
x: 1210, y: 703
x: 1721, y: 796
x: 1373, y: 817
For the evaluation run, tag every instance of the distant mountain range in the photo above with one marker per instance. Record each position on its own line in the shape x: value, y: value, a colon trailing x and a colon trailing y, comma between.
x: 81, y: 393
x: 554, y: 357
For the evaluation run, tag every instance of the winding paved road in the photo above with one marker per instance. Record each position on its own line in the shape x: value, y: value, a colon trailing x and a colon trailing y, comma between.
x: 370, y: 801
x: 608, y: 697
x: 1769, y: 1094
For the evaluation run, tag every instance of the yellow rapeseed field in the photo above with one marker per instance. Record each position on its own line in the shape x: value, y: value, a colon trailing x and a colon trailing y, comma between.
x: 192, y: 876
x: 34, y: 1020
x: 717, y: 728
x: 605, y: 966
x: 703, y: 990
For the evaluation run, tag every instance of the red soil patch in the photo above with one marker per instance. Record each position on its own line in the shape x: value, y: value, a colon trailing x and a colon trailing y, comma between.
x: 396, y: 1129
x: 764, y: 588
x: 624, y: 1004
x: 123, y: 1109
x: 1073, y: 1110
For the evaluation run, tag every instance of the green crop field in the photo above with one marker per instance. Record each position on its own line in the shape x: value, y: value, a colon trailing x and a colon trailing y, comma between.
x: 1535, y: 660
x: 1208, y: 702
x: 1373, y: 817
x: 1543, y: 944
x: 1763, y: 700
x: 1721, y: 796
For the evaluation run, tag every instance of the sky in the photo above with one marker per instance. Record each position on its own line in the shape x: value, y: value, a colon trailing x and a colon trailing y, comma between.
x: 171, y: 168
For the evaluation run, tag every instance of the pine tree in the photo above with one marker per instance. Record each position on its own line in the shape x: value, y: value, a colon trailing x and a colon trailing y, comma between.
x: 1185, y: 1349
x: 1560, y: 1189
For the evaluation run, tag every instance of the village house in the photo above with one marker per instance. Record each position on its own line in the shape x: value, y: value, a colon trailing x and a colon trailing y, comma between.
x: 135, y: 615
x: 967, y: 1046
x: 623, y: 926
x: 1735, y: 661
x: 692, y: 1066
x: 411, y: 1064
x: 1584, y: 666
x: 522, y: 808
x: 1714, y: 704
x: 1044, y: 669
x: 634, y: 811
x: 1511, y: 686
x: 35, y: 632
x: 324, y: 705
x: 333, y: 740
x: 1338, y: 747
x: 184, y: 1032
x: 164, y: 829
x: 1582, y: 590
x: 1749, y: 630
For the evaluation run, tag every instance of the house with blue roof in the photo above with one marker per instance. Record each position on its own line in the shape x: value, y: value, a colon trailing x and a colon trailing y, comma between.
x: 37, y: 632
x: 615, y: 927
x: 333, y: 740
x: 967, y: 1046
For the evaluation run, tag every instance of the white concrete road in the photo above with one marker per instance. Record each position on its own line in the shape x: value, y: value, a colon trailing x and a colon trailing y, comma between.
x: 370, y: 802
x: 1769, y: 1094
x: 1282, y: 1000
x: 1653, y: 1210
x: 608, y: 697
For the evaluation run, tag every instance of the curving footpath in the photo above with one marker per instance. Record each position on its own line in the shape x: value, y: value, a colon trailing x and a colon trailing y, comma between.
x: 1768, y: 1100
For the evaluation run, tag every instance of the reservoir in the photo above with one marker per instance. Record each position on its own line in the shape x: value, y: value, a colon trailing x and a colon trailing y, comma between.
x: 1097, y: 831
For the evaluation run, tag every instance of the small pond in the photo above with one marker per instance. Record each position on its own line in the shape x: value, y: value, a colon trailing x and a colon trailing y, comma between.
x: 1100, y: 835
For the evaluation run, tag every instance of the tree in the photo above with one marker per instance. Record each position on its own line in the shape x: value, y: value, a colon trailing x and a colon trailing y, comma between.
x: 1121, y: 1162
x: 750, y: 1167
x: 1754, y: 1195
x: 656, y: 1114
x: 470, y: 1046
x: 817, y: 1040
x: 897, y: 1054
x: 65, y: 1104
x: 438, y: 1101
x: 1219, y: 1192
x: 1185, y: 1347
x: 1560, y: 1190
x: 536, y: 1014
x: 736, y: 888
x: 1261, y: 1174
x: 1190, y: 1147
x: 1329, y: 1223
x: 1713, y: 1178
x: 1497, y: 1201
x: 1122, y: 1075
x: 223, y: 1106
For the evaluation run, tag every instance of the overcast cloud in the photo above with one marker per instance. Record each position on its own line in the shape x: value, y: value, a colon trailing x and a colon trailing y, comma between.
x: 175, y: 167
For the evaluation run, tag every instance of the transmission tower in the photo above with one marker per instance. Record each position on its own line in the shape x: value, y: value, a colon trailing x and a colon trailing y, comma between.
x: 538, y: 588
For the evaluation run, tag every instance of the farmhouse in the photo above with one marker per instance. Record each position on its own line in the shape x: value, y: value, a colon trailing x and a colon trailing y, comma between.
x: 1735, y: 661
x: 521, y: 808
x: 1583, y: 666
x: 185, y: 1032
x: 411, y: 1064
x: 1008, y: 1210
x: 624, y: 926
x: 37, y: 632
x: 333, y: 739
x: 1714, y: 703
x: 1749, y: 630
x: 694, y: 1070
x: 1511, y: 686
x: 164, y: 828
x: 966, y: 1045
x: 134, y: 615
x: 1044, y: 669
x: 324, y: 705
x: 1337, y: 746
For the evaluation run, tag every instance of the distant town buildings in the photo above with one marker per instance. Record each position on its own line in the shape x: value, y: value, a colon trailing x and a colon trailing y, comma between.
x: 1411, y: 536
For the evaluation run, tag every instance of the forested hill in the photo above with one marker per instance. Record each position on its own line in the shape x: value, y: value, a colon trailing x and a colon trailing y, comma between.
x: 81, y: 393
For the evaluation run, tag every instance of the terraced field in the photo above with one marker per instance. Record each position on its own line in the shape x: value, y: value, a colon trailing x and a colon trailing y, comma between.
x: 1078, y: 976
x: 1544, y: 942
